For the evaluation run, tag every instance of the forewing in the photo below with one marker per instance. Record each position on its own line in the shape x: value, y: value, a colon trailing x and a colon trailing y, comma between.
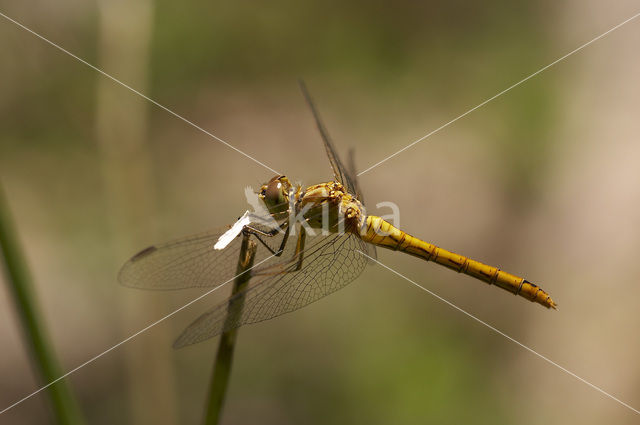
x: 330, y: 263
x: 340, y: 172
x: 189, y: 262
x: 353, y: 175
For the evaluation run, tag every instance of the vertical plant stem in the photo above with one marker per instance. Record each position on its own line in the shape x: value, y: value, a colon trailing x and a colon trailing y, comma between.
x: 224, y: 358
x: 65, y: 408
x: 122, y: 133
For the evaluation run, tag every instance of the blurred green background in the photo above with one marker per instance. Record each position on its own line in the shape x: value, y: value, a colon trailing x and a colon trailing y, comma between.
x: 541, y: 182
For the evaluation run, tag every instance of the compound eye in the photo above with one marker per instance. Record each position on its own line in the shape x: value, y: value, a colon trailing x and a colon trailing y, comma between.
x: 274, y: 194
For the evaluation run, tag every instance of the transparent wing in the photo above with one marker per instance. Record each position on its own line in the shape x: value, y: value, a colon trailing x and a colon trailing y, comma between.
x: 190, y: 262
x: 340, y: 172
x: 345, y: 175
x: 353, y: 175
x: 370, y: 249
x: 329, y: 263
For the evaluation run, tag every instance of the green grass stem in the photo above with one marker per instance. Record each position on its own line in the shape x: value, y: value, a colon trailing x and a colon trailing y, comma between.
x: 65, y: 408
x: 222, y: 366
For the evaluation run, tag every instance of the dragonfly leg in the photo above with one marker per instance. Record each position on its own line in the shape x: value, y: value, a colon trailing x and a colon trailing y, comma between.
x: 300, y: 248
x: 248, y: 230
x: 296, y: 258
x: 284, y: 241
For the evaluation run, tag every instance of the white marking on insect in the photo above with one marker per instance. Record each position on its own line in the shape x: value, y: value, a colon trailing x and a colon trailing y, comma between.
x: 226, y: 238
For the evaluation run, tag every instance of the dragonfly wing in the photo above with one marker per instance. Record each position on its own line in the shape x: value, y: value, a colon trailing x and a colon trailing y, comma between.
x: 189, y: 262
x: 351, y: 168
x: 353, y: 175
x: 340, y: 172
x: 345, y: 175
x: 329, y: 263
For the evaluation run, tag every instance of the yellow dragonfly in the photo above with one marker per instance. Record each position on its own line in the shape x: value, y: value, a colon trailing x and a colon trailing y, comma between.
x: 310, y: 242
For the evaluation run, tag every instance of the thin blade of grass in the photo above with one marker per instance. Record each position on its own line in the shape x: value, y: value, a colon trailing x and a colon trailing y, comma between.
x: 65, y: 408
x: 222, y: 366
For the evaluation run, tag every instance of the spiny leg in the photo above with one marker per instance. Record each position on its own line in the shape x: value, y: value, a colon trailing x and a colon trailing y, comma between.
x: 300, y: 247
x: 297, y: 257
x: 249, y: 230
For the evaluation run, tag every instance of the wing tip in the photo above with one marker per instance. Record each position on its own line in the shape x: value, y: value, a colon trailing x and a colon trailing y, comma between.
x: 178, y: 343
x: 123, y: 279
x: 140, y: 255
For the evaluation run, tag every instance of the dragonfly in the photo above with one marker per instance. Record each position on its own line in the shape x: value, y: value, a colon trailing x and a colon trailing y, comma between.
x: 295, y: 263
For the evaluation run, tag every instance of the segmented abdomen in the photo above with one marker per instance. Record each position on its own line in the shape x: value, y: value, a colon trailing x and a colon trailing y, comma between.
x: 381, y: 233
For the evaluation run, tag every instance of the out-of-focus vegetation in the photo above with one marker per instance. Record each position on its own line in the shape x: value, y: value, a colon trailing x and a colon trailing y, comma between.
x: 540, y: 182
x: 62, y: 403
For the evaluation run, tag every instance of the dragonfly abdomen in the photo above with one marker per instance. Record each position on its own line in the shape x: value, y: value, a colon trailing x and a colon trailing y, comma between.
x: 382, y: 233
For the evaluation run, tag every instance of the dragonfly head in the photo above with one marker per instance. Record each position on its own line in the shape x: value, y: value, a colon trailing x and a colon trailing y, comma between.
x: 275, y: 194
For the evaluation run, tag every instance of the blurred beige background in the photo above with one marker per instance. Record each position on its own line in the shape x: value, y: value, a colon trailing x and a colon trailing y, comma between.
x: 542, y: 182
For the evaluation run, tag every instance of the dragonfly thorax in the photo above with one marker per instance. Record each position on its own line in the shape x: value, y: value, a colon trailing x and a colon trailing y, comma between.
x: 330, y: 206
